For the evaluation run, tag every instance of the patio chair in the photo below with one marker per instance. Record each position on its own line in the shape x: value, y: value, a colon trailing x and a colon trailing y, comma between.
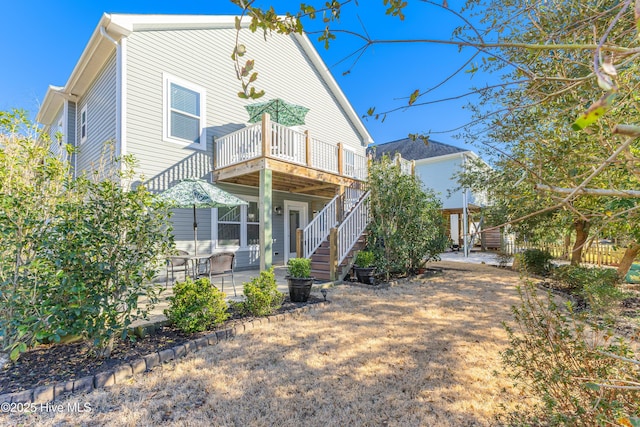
x: 221, y: 265
x: 180, y: 262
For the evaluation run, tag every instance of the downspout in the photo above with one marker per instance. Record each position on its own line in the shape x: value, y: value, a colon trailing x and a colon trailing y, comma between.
x: 465, y: 212
x: 119, y: 116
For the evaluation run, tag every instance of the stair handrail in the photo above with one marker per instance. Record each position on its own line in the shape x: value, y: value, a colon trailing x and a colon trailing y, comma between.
x: 352, y: 227
x: 319, y: 228
x: 350, y: 198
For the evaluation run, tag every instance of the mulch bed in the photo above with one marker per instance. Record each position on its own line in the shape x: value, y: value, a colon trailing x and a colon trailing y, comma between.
x: 49, y: 364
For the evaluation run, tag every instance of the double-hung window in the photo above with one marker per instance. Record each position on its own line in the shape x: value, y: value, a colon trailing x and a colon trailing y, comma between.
x: 238, y: 226
x: 184, y: 114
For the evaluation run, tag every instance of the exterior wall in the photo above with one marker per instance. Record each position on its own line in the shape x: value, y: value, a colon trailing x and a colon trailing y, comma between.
x: 56, y: 146
x: 100, y: 100
x: 202, y: 58
x: 438, y: 176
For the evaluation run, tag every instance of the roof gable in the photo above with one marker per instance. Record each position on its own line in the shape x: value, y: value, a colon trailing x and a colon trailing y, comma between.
x: 113, y: 27
x: 415, y: 150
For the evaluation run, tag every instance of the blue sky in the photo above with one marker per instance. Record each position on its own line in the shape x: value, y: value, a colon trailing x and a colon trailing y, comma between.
x: 42, y: 40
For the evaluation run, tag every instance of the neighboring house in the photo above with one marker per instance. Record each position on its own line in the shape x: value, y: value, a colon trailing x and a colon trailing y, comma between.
x: 436, y: 164
x: 163, y: 88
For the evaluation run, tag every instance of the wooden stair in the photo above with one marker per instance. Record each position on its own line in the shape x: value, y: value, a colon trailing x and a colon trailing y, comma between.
x: 320, y: 261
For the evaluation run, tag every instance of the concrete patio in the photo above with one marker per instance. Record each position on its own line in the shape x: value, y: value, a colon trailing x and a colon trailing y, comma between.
x: 240, y: 277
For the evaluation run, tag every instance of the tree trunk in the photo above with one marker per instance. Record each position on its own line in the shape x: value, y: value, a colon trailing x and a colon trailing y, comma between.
x: 630, y: 255
x: 582, y: 233
x: 567, y: 245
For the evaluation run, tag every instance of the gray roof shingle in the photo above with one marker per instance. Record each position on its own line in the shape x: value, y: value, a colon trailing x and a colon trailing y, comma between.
x: 414, y: 150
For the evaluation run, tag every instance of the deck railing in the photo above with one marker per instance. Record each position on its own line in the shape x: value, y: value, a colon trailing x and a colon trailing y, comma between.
x: 289, y: 145
x: 318, y: 229
x: 351, y: 229
x: 324, y: 156
x: 239, y: 146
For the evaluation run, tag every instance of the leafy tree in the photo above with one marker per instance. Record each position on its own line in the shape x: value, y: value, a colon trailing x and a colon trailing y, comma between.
x: 407, y: 227
x: 77, y: 253
x: 32, y: 185
x: 554, y: 59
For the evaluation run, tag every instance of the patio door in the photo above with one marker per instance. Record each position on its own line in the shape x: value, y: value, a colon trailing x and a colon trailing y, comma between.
x: 295, y: 216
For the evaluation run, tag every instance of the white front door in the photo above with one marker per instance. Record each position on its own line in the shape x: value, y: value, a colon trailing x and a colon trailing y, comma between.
x: 295, y: 216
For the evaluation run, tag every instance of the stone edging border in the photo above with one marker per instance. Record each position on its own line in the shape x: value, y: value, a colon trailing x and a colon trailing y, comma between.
x: 118, y: 375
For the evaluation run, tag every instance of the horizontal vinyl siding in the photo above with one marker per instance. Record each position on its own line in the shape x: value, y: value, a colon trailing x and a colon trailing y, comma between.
x: 100, y: 100
x: 202, y: 57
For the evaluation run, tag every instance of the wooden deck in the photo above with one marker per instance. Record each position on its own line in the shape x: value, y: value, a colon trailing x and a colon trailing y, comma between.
x: 298, y: 162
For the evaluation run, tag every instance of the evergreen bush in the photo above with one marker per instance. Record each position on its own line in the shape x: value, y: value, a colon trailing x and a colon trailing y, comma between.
x: 196, y: 306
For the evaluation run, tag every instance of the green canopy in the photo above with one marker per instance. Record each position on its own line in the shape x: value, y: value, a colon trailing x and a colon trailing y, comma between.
x: 198, y: 193
x: 280, y: 111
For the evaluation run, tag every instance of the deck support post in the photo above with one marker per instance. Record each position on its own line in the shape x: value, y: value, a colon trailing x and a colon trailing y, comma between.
x: 266, y: 219
x: 299, y: 253
x: 333, y: 254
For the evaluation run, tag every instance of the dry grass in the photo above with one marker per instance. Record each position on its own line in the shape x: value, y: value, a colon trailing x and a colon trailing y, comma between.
x: 421, y: 353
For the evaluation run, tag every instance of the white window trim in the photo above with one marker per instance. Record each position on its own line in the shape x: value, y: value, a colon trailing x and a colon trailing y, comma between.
x: 167, y: 79
x: 86, y: 124
x: 243, y: 227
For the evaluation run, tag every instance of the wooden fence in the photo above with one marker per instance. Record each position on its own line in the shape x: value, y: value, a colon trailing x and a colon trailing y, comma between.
x: 595, y: 254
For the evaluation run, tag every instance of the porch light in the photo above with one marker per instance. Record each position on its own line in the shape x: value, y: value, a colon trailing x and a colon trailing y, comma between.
x: 278, y: 210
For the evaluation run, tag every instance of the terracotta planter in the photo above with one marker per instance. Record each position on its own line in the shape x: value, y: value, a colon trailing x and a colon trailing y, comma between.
x: 299, y: 288
x: 365, y: 274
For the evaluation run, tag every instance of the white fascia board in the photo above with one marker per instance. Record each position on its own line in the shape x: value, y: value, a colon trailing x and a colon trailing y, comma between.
x: 437, y: 159
x: 333, y: 86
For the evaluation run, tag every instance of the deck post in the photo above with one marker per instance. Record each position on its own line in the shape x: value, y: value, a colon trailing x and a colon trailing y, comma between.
x: 340, y: 159
x: 299, y: 248
x: 398, y: 160
x: 333, y: 253
x: 266, y: 135
x: 413, y: 168
x: 307, y: 138
x: 266, y: 219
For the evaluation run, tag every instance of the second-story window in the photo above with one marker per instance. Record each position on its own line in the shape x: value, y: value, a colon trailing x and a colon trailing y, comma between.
x: 184, y: 113
x: 83, y: 124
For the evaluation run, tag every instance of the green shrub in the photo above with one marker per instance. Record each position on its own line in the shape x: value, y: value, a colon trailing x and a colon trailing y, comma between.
x: 263, y: 297
x: 365, y: 259
x: 196, y: 306
x: 407, y: 227
x: 572, y: 368
x: 299, y: 267
x: 536, y: 261
x: 598, y: 287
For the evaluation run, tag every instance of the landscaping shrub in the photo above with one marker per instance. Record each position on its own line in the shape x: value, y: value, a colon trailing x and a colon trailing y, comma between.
x: 598, y: 287
x: 263, y: 297
x: 76, y: 254
x: 196, y: 306
x: 407, y: 227
x: 575, y: 369
x: 536, y: 261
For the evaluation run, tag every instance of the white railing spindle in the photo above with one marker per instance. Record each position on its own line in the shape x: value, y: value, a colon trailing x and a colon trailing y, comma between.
x: 288, y: 144
x: 352, y: 228
x: 324, y: 156
x: 239, y: 146
x: 319, y: 228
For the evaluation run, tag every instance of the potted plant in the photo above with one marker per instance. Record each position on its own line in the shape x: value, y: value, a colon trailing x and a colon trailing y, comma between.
x: 364, y: 266
x: 299, y: 279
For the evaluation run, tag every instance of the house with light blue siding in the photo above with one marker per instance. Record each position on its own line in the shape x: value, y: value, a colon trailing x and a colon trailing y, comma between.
x: 164, y: 89
x: 437, y: 164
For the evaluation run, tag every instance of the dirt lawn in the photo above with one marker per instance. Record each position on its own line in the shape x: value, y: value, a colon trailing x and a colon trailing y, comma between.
x: 422, y: 353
